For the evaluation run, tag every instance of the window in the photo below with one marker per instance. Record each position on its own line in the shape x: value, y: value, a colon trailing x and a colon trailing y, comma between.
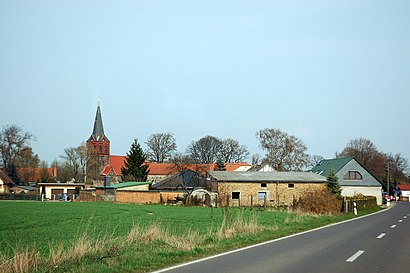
x: 236, y: 195
x: 261, y: 195
x: 353, y: 175
x: 100, y: 151
x: 291, y: 185
x: 106, y: 150
x: 263, y: 185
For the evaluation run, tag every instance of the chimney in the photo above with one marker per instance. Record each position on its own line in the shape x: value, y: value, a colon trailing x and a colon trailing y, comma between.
x: 107, y: 181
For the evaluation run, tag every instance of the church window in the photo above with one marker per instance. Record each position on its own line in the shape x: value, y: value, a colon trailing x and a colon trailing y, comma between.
x: 106, y: 150
x: 100, y: 149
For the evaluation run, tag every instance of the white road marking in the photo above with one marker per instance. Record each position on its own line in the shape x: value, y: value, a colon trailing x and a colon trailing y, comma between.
x: 405, y: 217
x: 355, y: 256
x: 393, y: 226
x: 381, y: 235
x: 400, y: 221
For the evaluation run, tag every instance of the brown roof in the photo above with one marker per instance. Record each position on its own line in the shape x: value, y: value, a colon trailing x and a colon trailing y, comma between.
x: 5, y: 178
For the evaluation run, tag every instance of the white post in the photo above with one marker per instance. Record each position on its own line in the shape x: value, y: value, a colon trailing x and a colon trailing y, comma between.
x: 355, y: 208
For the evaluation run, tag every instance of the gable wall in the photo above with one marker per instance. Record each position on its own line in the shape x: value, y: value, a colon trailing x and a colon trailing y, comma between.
x: 368, y: 179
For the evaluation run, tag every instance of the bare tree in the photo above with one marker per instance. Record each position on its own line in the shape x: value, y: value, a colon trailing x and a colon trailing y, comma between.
x: 206, y: 150
x: 160, y: 147
x: 13, y: 140
x: 397, y: 167
x: 256, y: 159
x: 284, y: 152
x: 232, y: 151
x: 314, y: 160
x: 362, y: 149
x: 75, y: 160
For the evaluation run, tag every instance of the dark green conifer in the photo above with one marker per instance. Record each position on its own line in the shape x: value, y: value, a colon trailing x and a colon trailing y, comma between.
x: 134, y: 168
x: 332, y: 183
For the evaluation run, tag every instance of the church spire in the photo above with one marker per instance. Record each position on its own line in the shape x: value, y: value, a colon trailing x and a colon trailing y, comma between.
x: 98, y: 131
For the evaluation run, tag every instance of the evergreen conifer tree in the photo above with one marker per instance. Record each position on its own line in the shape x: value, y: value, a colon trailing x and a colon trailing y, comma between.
x: 332, y: 183
x: 134, y: 168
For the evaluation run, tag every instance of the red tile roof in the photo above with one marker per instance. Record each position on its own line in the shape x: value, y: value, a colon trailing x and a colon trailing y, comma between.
x: 230, y: 167
x: 35, y: 174
x: 117, y: 161
x: 5, y: 178
x: 404, y: 187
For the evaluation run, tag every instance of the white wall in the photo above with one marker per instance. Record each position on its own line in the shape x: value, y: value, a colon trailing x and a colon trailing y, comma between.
x: 369, y: 191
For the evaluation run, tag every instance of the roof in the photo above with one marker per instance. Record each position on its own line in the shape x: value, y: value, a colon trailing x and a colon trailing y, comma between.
x: 63, y: 184
x: 98, y: 131
x: 123, y: 185
x: 36, y: 174
x: 231, y: 167
x: 174, y: 182
x: 5, y: 178
x: 28, y: 188
x: 404, y: 187
x: 267, y: 176
x: 326, y: 165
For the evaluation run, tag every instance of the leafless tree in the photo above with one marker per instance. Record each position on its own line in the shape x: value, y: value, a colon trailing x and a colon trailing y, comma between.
x: 314, y: 160
x: 256, y: 159
x: 206, y: 150
x: 13, y: 140
x: 361, y: 149
x: 160, y: 147
x: 75, y: 161
x: 284, y: 152
x: 232, y: 151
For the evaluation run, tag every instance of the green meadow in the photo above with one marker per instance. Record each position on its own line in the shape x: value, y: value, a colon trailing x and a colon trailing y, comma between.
x: 106, y: 237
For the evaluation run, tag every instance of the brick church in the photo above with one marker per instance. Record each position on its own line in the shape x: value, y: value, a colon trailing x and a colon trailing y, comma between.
x: 98, y: 149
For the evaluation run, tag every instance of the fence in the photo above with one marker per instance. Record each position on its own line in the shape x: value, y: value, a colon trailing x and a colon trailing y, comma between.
x: 362, y: 202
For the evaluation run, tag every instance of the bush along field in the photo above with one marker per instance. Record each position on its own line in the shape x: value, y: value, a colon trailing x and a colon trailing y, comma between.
x: 106, y: 237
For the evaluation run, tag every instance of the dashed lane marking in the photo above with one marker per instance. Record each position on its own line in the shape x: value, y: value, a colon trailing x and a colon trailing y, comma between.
x: 381, y: 235
x: 355, y: 256
x: 393, y: 226
x: 400, y: 221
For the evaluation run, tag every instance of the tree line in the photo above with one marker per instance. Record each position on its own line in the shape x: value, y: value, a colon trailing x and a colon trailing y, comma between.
x: 283, y: 152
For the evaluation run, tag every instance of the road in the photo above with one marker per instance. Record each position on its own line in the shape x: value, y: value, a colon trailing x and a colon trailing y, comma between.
x: 376, y: 243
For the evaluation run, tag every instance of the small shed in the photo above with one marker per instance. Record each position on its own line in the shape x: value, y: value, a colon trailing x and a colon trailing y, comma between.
x: 54, y: 190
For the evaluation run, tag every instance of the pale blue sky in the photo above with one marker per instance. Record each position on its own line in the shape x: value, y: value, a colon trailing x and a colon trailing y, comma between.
x: 324, y: 71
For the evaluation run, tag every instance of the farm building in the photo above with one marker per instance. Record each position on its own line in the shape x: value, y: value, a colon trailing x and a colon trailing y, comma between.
x: 256, y: 188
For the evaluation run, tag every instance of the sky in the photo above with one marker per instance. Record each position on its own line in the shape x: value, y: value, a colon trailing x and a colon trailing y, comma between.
x: 324, y: 71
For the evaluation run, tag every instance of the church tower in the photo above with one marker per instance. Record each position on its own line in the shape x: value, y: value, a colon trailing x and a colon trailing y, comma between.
x: 98, y: 149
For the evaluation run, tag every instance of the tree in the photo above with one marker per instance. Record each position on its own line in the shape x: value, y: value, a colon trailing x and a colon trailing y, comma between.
x: 206, y: 150
x: 160, y: 147
x: 361, y: 149
x: 256, y: 159
x: 284, y: 152
x: 134, y: 168
x: 232, y: 151
x: 27, y: 159
x: 314, y: 160
x: 364, y: 151
x: 332, y: 184
x: 12, y: 141
x: 74, y: 163
x: 11, y: 171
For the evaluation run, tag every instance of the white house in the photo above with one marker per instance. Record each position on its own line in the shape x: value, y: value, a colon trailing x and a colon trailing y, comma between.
x: 353, y: 177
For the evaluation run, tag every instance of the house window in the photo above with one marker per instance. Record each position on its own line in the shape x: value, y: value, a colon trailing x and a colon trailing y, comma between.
x: 291, y: 185
x: 263, y: 185
x: 261, y: 195
x: 353, y: 175
x: 236, y: 195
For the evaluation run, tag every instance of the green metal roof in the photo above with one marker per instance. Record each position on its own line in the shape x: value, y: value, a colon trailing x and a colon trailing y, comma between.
x: 326, y: 165
x: 123, y: 185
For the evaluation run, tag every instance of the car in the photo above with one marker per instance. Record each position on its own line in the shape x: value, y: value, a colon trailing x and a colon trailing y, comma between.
x: 386, y: 197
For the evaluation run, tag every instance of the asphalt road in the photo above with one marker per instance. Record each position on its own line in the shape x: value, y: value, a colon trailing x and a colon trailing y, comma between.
x: 376, y: 243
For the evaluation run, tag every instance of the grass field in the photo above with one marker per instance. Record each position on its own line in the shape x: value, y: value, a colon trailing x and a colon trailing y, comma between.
x: 105, y: 237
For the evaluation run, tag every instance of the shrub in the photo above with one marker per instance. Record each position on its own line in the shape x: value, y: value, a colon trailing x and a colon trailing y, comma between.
x: 318, y: 202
